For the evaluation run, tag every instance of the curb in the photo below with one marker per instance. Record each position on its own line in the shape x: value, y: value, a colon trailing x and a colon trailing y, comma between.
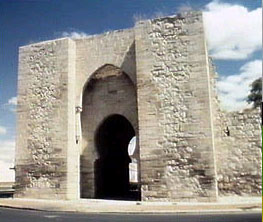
x: 238, y: 210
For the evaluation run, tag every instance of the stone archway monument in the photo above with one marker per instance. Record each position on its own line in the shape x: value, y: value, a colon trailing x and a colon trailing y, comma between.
x: 81, y: 101
x: 151, y: 75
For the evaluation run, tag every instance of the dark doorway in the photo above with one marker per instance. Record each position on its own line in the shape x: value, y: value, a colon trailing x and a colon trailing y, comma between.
x: 112, y: 168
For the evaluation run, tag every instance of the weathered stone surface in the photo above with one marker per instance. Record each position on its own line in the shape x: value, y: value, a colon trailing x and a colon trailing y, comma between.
x: 43, y: 105
x: 239, y: 154
x: 172, y: 73
x: 238, y: 145
x: 157, y: 76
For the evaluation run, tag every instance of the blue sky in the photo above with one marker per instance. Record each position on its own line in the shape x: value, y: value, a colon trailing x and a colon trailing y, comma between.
x: 236, y: 52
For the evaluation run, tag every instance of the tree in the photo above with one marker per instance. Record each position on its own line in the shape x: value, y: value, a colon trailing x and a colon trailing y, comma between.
x: 255, y: 95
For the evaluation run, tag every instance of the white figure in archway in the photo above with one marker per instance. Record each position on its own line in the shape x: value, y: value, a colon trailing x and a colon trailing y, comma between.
x: 133, y: 166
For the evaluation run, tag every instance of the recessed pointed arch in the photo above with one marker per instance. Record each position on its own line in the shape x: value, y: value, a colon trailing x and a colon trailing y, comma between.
x: 109, y: 94
x: 105, y: 71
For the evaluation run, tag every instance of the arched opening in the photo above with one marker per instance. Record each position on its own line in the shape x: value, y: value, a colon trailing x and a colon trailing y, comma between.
x: 112, y: 178
x: 108, y: 122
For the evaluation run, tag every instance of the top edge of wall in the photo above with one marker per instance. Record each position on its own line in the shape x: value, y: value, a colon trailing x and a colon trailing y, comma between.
x: 182, y: 15
x: 81, y: 37
x: 44, y: 42
x: 100, y: 35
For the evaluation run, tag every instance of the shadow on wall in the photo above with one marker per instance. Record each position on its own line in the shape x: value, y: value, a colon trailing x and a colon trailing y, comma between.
x: 129, y: 63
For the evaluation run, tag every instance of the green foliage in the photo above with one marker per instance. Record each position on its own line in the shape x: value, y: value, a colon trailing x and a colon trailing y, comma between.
x: 255, y: 95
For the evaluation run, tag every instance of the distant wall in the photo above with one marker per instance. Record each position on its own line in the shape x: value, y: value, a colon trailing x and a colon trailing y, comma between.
x: 239, y: 154
x: 6, y: 189
x: 238, y: 146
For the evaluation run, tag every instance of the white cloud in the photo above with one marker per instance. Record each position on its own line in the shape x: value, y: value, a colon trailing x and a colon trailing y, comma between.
x: 12, y: 101
x: 7, y: 151
x: 2, y: 130
x: 75, y: 35
x: 10, y: 105
x: 232, y: 31
x: 234, y: 89
x: 185, y: 7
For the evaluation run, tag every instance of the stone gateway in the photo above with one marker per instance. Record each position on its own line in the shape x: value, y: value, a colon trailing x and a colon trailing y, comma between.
x: 131, y: 115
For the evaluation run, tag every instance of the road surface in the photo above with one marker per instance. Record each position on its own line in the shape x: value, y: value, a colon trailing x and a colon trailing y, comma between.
x: 14, y: 215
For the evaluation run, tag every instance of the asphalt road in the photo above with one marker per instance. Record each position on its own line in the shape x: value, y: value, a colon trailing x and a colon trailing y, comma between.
x: 13, y: 215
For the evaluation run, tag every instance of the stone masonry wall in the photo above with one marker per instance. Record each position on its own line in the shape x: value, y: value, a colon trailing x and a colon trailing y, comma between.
x: 174, y: 110
x: 238, y: 148
x: 239, y: 156
x: 44, y: 110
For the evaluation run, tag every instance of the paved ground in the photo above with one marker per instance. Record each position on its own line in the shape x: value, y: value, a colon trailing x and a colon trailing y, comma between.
x: 15, y: 215
x: 106, y: 206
